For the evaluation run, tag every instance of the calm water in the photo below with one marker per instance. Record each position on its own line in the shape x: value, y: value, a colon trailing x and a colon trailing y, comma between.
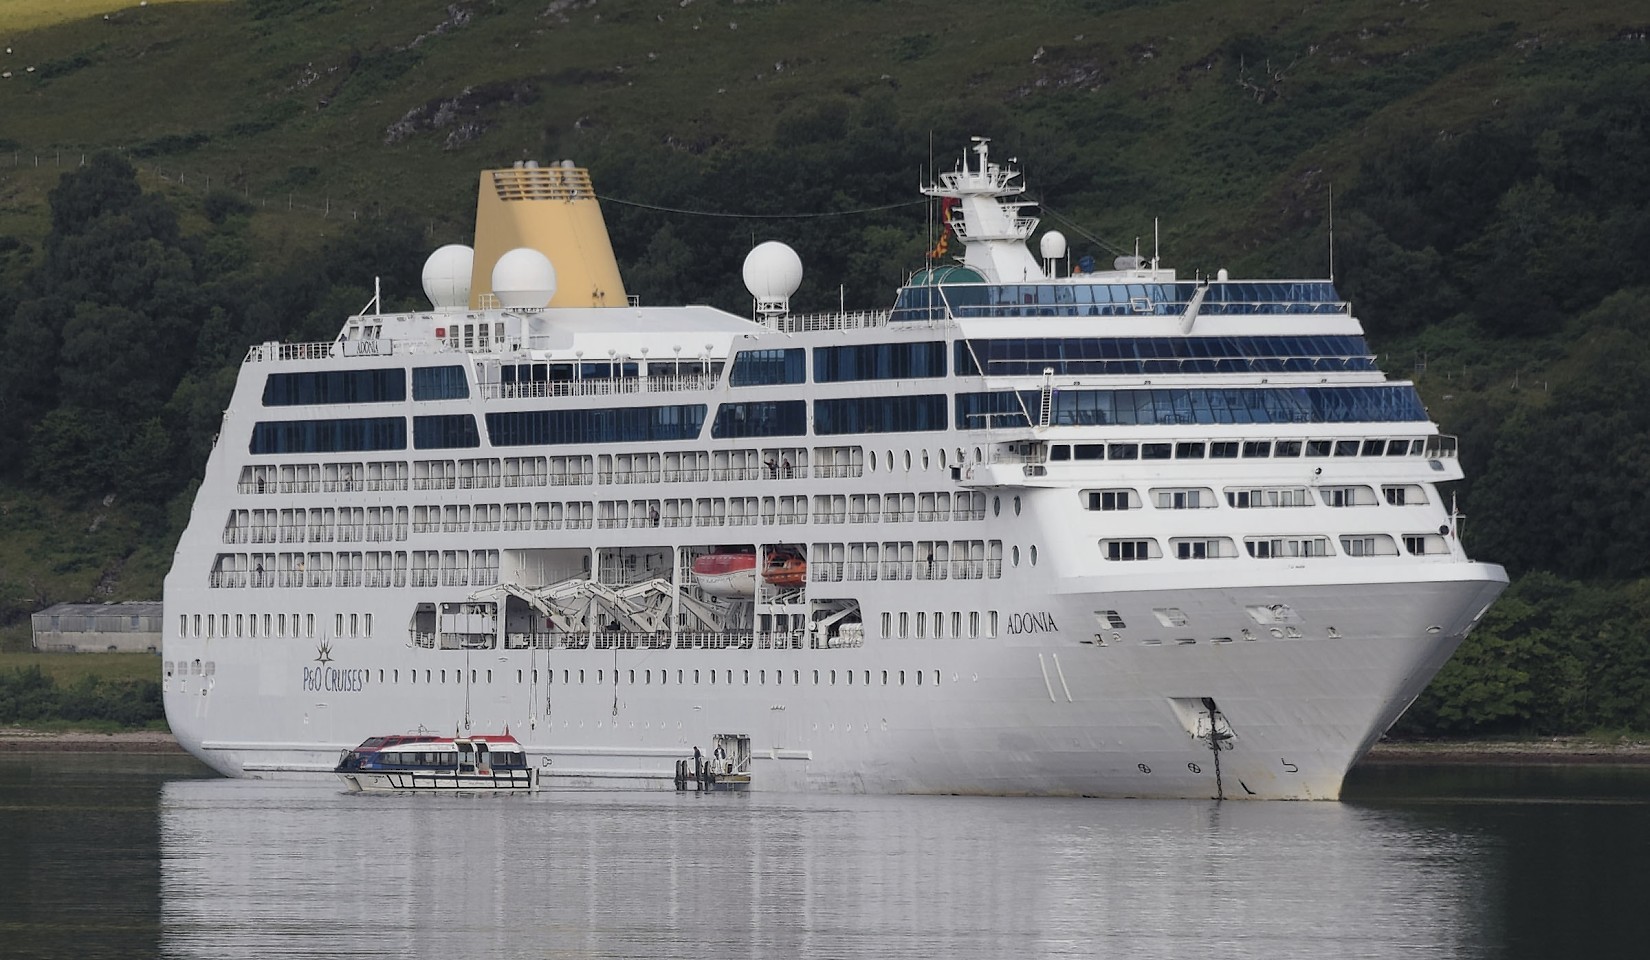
x: 105, y: 856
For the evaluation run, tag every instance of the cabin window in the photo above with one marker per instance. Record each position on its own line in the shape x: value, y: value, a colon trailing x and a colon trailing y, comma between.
x: 1111, y: 499
x: 1128, y: 549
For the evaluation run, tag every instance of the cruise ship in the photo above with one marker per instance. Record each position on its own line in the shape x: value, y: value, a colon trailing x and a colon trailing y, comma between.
x: 1038, y: 528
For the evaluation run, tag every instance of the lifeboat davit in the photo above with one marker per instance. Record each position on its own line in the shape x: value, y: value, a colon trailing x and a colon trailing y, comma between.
x: 726, y: 574
x: 785, y: 570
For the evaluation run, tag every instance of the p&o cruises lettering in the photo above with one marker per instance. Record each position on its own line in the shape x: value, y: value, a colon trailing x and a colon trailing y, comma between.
x: 333, y: 680
x: 1039, y: 622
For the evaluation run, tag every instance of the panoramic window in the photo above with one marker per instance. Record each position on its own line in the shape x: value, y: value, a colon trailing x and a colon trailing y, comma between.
x: 329, y: 436
x: 756, y: 368
x: 335, y: 386
x: 765, y: 418
x: 879, y: 361
x: 605, y: 425
x: 440, y: 383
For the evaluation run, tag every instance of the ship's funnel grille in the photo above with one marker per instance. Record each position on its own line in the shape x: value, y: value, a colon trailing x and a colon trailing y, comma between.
x: 543, y: 183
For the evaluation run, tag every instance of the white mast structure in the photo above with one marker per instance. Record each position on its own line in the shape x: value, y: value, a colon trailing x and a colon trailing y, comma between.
x: 992, y: 229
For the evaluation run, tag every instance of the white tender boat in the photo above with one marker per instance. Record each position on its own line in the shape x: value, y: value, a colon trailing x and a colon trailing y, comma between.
x: 431, y: 764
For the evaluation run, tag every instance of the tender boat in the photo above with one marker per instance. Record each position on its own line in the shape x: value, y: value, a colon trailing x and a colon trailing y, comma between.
x: 425, y: 763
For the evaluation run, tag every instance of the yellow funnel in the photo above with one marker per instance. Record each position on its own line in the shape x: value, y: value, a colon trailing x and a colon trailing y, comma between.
x: 554, y: 211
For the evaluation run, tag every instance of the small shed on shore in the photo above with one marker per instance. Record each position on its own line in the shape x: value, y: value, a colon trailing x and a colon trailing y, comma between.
x: 127, y: 627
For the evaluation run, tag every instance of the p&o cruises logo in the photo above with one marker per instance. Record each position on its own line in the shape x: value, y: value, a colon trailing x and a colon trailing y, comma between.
x: 328, y: 679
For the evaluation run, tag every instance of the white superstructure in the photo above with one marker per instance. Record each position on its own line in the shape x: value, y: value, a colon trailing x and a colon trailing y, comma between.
x: 1031, y: 531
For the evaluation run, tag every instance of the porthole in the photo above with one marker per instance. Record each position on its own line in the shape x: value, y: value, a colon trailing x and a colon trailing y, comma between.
x: 1016, y: 506
x: 1034, y: 554
x: 996, y: 506
x: 890, y: 461
x: 873, y: 461
x: 907, y: 461
x: 1015, y: 556
x: 942, y: 458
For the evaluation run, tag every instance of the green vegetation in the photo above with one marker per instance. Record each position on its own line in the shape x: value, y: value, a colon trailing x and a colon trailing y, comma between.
x: 84, y: 691
x: 1492, y: 208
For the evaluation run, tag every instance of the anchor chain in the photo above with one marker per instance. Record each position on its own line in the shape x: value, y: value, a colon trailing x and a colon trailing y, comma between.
x: 1215, y: 738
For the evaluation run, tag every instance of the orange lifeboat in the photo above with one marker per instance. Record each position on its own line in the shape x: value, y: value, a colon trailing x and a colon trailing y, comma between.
x: 726, y: 574
x: 785, y: 570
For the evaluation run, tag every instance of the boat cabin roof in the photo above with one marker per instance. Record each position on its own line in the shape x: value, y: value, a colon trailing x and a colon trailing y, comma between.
x: 493, y: 743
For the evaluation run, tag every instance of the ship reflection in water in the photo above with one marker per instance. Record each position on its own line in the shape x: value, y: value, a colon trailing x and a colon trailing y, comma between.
x: 598, y: 874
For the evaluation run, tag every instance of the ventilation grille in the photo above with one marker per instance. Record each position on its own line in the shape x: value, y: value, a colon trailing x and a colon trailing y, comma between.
x: 543, y: 183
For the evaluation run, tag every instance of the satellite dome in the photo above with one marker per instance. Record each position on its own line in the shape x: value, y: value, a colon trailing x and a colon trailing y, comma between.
x: 1053, y: 245
x: 523, y: 279
x: 447, y: 277
x: 773, y: 271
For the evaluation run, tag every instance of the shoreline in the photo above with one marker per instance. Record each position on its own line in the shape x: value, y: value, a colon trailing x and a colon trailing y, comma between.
x: 1547, y: 750
x: 22, y: 740
x: 1554, y: 750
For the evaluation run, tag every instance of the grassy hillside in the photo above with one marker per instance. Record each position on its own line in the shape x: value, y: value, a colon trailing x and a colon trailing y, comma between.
x: 1225, y: 121
x: 25, y: 16
x: 68, y: 669
x: 52, y: 551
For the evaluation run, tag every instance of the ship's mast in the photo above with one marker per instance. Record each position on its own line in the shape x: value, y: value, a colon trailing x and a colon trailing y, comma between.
x: 991, y: 227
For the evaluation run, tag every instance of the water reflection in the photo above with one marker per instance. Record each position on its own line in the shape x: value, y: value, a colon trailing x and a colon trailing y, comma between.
x: 112, y: 856
x: 660, y: 874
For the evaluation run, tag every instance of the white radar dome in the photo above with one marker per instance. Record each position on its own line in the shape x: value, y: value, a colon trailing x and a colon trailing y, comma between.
x: 447, y: 276
x: 773, y: 271
x: 523, y: 279
x: 1053, y: 245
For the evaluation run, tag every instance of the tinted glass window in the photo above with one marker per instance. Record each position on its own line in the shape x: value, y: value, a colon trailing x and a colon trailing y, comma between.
x: 441, y: 383
x: 335, y: 386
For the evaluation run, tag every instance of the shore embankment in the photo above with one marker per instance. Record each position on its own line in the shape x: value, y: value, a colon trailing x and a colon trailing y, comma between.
x: 1550, y: 750
x: 19, y: 740
x: 1554, y: 750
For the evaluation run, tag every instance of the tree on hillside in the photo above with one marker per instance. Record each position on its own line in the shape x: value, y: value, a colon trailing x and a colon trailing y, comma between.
x: 107, y: 329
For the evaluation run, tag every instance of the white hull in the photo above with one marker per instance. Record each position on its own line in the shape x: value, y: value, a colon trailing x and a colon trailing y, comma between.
x: 1044, y: 715
x: 419, y: 781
